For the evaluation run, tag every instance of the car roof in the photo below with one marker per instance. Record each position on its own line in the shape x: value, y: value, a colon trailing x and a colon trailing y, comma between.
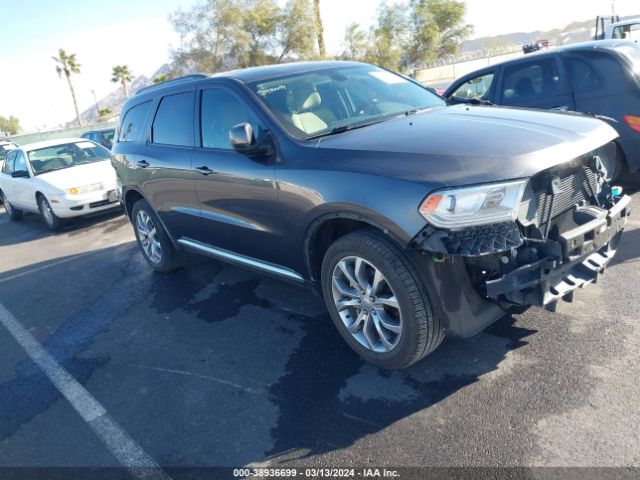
x: 622, y: 23
x: 50, y: 143
x: 246, y: 75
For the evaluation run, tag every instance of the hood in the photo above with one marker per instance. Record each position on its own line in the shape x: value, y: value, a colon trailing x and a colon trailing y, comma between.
x: 464, y: 145
x: 81, y: 175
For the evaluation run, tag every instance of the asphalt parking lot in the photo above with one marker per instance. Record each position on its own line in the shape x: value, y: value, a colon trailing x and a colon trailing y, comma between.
x: 217, y: 366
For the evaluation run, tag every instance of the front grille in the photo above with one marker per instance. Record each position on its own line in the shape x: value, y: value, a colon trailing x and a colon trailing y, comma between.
x: 577, y: 186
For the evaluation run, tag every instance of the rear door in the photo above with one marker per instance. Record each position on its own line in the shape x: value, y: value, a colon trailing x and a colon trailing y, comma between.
x: 539, y: 82
x: 164, y: 168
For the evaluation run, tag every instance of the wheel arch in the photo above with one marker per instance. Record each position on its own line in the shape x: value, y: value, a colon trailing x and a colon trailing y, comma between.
x: 329, y: 226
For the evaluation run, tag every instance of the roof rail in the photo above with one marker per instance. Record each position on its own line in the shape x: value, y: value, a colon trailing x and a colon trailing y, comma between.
x: 185, y: 78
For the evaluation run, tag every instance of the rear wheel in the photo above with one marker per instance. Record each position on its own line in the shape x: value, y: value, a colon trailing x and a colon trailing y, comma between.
x: 46, y: 212
x: 377, y: 301
x: 14, y: 213
x: 153, y: 241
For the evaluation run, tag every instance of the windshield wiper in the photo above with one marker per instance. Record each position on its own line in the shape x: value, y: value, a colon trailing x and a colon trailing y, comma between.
x: 479, y: 101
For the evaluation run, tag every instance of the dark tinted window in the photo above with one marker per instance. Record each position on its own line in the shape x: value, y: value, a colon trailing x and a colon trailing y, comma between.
x: 133, y: 123
x: 582, y: 75
x: 220, y: 111
x: 530, y: 81
x: 7, y: 167
x: 173, y: 124
x: 605, y: 72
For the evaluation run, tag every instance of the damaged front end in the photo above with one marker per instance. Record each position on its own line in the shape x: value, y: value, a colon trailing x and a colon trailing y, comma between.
x: 561, y: 236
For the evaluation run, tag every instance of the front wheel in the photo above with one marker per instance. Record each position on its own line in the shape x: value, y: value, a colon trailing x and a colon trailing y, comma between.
x: 378, y: 302
x: 14, y: 213
x: 46, y: 212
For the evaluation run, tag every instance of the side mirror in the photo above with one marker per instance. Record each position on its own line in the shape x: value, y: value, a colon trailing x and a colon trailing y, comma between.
x: 20, y: 174
x: 243, y: 141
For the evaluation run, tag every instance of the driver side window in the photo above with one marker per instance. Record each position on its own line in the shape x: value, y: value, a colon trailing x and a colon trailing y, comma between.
x: 475, y: 89
x: 20, y: 163
x: 220, y: 111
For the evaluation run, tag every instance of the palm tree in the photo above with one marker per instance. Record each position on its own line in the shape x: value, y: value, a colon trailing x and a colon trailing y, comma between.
x: 67, y: 64
x: 121, y: 74
x: 319, y: 28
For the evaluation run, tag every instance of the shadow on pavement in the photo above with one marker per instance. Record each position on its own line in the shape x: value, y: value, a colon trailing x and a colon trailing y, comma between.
x: 326, y: 397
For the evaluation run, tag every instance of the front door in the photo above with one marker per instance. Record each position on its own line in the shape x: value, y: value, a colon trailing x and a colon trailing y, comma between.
x: 237, y: 193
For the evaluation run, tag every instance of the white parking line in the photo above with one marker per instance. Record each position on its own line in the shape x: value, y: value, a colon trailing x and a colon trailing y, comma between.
x: 120, y: 444
x: 44, y: 267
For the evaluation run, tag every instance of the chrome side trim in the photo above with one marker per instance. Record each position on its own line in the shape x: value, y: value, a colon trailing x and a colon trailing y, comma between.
x: 228, y: 256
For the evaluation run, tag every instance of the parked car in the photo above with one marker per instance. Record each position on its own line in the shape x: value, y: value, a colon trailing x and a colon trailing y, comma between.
x: 102, y: 137
x: 5, y: 147
x: 627, y: 29
x: 413, y: 219
x: 599, y: 78
x: 58, y: 179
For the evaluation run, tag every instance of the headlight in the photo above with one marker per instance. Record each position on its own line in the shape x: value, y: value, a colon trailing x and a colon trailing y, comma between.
x: 85, y: 189
x: 478, y: 205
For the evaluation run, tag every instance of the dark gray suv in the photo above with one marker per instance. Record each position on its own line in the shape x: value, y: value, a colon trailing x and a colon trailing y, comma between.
x: 413, y: 219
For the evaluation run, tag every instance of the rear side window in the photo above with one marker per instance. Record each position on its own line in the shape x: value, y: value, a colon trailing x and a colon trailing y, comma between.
x: 173, y: 124
x: 133, y: 123
x: 530, y: 81
x: 593, y: 71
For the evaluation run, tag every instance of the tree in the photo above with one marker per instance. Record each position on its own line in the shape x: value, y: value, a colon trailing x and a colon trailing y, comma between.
x: 355, y: 43
x: 388, y: 36
x: 296, y: 30
x: 258, y: 33
x: 121, y: 74
x: 67, y: 65
x: 161, y: 78
x: 319, y: 28
x: 437, y: 29
x: 104, y: 112
x: 207, y: 32
x: 9, y: 126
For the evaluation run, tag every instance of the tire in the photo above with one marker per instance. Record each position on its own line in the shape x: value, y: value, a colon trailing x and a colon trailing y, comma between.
x: 50, y: 219
x: 14, y: 213
x: 410, y: 331
x: 152, y: 239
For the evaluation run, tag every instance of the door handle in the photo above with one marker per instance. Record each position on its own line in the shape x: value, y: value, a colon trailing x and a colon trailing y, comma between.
x: 204, y: 170
x: 142, y: 163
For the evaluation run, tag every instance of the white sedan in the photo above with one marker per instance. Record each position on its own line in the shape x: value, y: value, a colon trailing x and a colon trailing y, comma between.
x: 58, y: 179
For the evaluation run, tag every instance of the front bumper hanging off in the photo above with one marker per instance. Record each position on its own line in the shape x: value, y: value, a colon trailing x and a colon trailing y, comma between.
x: 574, y: 259
x: 585, y: 252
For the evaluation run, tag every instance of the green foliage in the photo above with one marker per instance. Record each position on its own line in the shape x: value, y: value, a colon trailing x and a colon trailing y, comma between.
x: 161, y: 78
x: 121, y: 74
x: 9, y: 126
x: 219, y: 35
x: 388, y: 36
x: 355, y: 43
x: 296, y: 32
x: 449, y: 17
x: 104, y: 112
x: 67, y: 64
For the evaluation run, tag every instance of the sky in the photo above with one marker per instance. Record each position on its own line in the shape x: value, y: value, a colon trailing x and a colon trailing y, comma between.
x: 104, y: 33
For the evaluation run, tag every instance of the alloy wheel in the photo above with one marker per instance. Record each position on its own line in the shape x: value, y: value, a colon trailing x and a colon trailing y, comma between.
x: 148, y: 235
x: 367, y: 304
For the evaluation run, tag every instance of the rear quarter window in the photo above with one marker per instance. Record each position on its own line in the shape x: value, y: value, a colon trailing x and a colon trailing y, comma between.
x: 598, y: 73
x: 173, y: 123
x: 133, y: 123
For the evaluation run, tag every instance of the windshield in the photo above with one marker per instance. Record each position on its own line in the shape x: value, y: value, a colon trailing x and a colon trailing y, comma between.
x: 314, y: 103
x: 66, y: 155
x: 6, y: 148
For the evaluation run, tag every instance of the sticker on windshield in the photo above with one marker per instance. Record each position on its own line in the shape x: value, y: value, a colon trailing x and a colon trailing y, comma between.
x: 86, y: 145
x: 387, y: 77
